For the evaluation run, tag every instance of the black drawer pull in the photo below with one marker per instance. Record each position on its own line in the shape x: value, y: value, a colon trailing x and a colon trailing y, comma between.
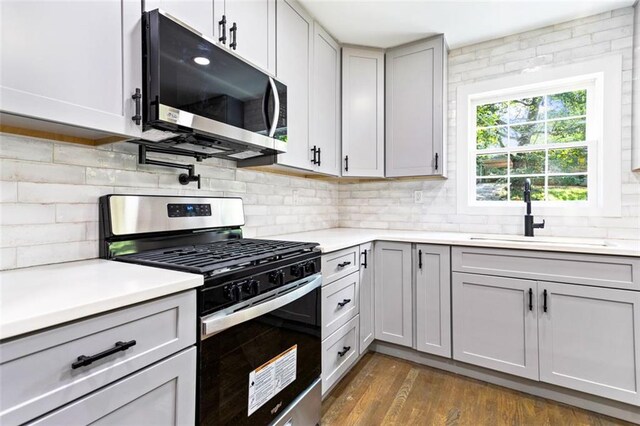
x: 544, y: 295
x: 344, y: 350
x: 365, y: 259
x: 344, y: 302
x: 531, y: 299
x: 84, y: 360
x: 419, y: 259
x: 343, y: 264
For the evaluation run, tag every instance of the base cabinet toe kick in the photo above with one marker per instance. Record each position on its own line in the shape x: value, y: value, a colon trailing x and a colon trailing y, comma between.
x: 563, y: 319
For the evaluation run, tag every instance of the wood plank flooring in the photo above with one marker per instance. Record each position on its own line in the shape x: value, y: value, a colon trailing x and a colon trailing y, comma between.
x: 383, y: 390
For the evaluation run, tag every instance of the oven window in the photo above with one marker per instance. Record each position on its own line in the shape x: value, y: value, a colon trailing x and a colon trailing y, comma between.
x: 228, y: 358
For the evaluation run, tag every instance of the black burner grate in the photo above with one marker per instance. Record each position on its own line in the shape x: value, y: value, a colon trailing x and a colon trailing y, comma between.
x: 206, y: 258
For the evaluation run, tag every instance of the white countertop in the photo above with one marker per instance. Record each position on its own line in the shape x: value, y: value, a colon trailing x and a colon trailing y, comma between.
x: 35, y: 298
x: 338, y: 238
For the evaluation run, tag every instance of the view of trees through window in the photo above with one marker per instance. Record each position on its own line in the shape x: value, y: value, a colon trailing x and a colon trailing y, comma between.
x: 542, y: 138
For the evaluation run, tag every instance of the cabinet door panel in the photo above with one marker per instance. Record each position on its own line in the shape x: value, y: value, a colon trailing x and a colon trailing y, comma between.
x: 363, y: 112
x: 198, y: 14
x: 493, y: 326
x: 393, y: 307
x: 433, y: 299
x: 325, y: 110
x: 294, y: 35
x: 366, y: 297
x: 590, y: 340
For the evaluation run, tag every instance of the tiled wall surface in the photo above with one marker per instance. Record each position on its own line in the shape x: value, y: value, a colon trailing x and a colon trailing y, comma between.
x: 49, y: 193
x: 390, y: 204
x: 49, y: 190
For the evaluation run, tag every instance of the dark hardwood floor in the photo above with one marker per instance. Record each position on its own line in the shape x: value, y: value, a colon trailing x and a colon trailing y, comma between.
x: 383, y: 390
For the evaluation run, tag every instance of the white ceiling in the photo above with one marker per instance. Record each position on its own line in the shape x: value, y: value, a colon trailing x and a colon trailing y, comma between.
x: 386, y: 23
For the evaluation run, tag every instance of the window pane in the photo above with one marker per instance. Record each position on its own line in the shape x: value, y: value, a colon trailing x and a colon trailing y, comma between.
x: 567, y: 104
x: 491, y: 189
x: 528, y: 109
x: 526, y: 134
x: 491, y: 165
x: 571, y: 160
x: 491, y: 138
x: 491, y: 114
x: 572, y: 130
x: 537, y: 188
x: 567, y: 188
x: 526, y: 163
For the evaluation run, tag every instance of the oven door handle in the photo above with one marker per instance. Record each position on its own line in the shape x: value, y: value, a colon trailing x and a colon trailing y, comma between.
x: 220, y: 321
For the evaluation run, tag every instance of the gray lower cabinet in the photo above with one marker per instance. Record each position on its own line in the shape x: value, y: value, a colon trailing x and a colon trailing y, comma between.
x: 433, y: 299
x: 367, y: 307
x: 495, y: 323
x: 163, y: 394
x: 590, y: 340
x: 392, y: 288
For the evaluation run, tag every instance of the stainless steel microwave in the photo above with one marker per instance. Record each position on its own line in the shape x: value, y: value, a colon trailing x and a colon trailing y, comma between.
x: 201, y: 97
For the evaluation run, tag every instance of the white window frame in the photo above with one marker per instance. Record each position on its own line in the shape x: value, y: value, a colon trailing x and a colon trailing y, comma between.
x: 603, y: 80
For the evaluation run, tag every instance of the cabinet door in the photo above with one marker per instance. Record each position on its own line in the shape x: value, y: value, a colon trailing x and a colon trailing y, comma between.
x: 325, y: 101
x: 393, y: 313
x: 415, y: 115
x: 198, y: 14
x: 366, y: 297
x: 590, y: 340
x: 75, y: 63
x: 433, y: 299
x: 255, y: 35
x: 495, y: 323
x: 362, y: 112
x: 294, y: 35
x: 163, y: 394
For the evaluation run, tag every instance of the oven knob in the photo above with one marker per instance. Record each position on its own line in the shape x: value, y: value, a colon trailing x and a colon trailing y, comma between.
x: 252, y: 287
x: 276, y: 277
x: 297, y: 271
x: 236, y: 291
x: 232, y: 292
x: 310, y: 267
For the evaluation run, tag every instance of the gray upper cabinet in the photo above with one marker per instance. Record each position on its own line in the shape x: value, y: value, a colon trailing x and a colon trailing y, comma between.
x: 254, y: 34
x: 367, y: 307
x: 433, y: 299
x: 362, y: 112
x: 392, y: 293
x: 294, y: 37
x: 325, y: 103
x: 75, y: 63
x: 590, y: 340
x: 198, y: 14
x: 416, y: 109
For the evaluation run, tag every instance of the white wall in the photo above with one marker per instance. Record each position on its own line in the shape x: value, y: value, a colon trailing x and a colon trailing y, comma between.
x: 389, y: 204
x: 636, y: 88
x: 49, y: 193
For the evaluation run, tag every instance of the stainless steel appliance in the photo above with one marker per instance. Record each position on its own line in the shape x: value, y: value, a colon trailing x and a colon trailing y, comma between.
x: 201, y: 97
x: 259, y: 309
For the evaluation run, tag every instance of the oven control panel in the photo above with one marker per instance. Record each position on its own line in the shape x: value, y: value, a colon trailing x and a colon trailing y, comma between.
x: 188, y: 210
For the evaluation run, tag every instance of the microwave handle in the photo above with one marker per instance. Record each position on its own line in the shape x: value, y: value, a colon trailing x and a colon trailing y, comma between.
x: 276, y: 107
x: 221, y: 321
x: 265, y: 106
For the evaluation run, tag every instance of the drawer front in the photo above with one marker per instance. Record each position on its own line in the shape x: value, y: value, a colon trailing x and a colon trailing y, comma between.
x: 339, y: 353
x: 340, y: 264
x: 168, y: 386
x: 339, y: 303
x: 597, y: 270
x: 36, y: 371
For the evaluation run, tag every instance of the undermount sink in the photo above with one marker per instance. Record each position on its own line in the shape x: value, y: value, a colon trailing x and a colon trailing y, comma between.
x: 543, y: 240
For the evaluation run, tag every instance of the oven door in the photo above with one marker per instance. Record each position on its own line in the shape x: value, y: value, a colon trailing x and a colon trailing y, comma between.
x: 256, y: 360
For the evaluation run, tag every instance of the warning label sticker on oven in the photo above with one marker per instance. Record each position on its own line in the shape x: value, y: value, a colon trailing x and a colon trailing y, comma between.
x: 271, y: 377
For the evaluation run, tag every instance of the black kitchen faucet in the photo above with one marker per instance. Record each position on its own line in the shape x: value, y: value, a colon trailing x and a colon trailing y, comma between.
x: 529, y: 225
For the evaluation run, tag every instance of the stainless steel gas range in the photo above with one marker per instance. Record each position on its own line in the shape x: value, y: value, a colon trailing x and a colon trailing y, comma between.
x: 259, y: 309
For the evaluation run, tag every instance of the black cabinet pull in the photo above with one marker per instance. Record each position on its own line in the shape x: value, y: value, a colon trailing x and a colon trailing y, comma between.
x: 137, y: 98
x: 315, y: 153
x: 531, y: 299
x: 343, y: 264
x: 234, y: 36
x: 419, y: 259
x: 365, y: 259
x: 436, y: 161
x: 319, y: 156
x: 344, y: 302
x: 84, y: 360
x: 222, y: 29
x: 346, y: 163
x: 344, y: 350
x: 544, y: 299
